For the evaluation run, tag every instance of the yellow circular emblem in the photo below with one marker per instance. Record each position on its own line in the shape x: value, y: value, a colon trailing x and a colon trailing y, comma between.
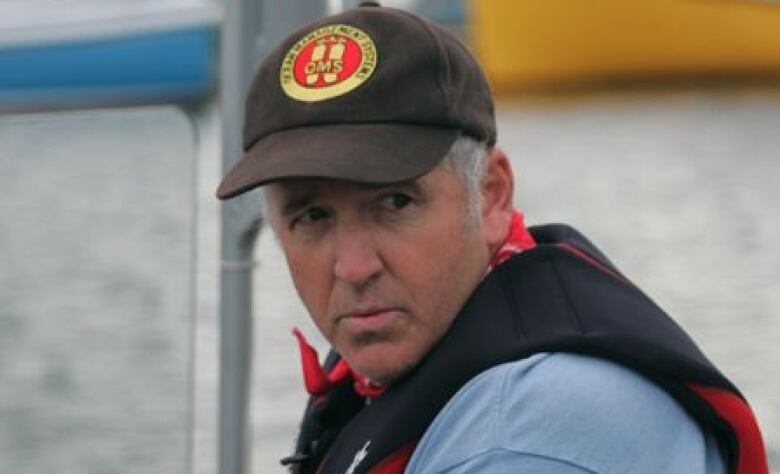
x: 328, y: 62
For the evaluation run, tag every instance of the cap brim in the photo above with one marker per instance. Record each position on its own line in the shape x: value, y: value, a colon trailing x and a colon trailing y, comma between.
x: 363, y: 153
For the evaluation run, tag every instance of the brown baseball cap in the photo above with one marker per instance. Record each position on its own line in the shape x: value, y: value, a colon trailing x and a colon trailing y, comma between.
x: 372, y: 95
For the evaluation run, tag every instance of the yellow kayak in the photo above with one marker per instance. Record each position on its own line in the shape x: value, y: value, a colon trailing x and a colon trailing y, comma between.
x: 535, y: 43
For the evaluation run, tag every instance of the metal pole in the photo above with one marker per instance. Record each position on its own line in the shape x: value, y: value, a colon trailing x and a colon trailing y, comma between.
x: 238, y: 239
x: 239, y: 227
x: 347, y: 4
x: 249, y: 28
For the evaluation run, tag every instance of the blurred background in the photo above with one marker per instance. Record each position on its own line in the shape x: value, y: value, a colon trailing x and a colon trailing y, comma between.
x: 652, y: 126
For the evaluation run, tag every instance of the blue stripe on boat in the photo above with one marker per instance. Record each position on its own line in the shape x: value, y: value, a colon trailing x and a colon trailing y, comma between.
x: 159, y: 66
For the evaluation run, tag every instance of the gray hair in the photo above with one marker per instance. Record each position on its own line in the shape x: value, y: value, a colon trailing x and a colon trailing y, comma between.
x: 468, y: 160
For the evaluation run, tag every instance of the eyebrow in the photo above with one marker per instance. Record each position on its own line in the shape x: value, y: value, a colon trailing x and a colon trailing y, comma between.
x: 293, y: 202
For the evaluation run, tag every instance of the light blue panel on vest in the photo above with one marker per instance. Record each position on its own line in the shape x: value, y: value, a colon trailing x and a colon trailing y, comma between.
x: 164, y: 66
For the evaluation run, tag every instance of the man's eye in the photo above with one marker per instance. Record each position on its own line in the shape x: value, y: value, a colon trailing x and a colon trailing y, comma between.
x: 311, y: 215
x: 396, y: 201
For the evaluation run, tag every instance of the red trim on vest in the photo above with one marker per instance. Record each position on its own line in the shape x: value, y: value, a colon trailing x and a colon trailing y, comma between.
x: 737, y: 413
x: 517, y: 240
x: 316, y: 380
x: 396, y: 462
x: 593, y: 261
x: 365, y: 387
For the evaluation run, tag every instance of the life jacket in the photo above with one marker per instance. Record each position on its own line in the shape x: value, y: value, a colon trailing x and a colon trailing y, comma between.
x: 561, y: 296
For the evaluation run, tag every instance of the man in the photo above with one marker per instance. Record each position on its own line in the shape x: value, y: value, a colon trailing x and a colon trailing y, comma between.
x: 463, y: 342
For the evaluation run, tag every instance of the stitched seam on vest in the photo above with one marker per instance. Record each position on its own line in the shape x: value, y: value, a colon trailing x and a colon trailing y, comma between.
x: 517, y: 319
x: 567, y: 298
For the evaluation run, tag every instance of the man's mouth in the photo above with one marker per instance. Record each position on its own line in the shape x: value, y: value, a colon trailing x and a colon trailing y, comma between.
x: 369, y: 320
x: 370, y: 312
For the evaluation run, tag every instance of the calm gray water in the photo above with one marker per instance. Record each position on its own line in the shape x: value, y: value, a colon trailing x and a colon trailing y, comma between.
x: 97, y: 249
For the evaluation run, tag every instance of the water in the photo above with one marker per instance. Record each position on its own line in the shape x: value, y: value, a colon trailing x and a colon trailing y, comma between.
x: 96, y: 250
x: 94, y: 313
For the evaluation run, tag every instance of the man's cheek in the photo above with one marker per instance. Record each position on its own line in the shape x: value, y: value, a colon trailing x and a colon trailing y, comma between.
x: 313, y: 298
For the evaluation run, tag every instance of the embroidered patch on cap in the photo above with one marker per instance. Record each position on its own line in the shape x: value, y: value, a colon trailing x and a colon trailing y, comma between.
x: 328, y: 62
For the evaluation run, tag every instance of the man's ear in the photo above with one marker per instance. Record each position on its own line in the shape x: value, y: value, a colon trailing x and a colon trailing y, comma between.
x: 497, y: 193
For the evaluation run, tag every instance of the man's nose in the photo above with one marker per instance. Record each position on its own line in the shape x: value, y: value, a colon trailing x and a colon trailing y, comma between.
x: 357, y: 258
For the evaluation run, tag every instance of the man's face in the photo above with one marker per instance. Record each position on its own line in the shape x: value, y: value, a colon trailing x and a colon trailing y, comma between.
x: 382, y: 270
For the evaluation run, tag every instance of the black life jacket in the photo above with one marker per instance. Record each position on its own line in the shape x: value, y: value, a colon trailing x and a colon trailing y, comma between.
x: 561, y: 296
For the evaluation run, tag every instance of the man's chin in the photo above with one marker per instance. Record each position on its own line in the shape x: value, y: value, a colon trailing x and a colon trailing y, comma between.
x: 380, y: 365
